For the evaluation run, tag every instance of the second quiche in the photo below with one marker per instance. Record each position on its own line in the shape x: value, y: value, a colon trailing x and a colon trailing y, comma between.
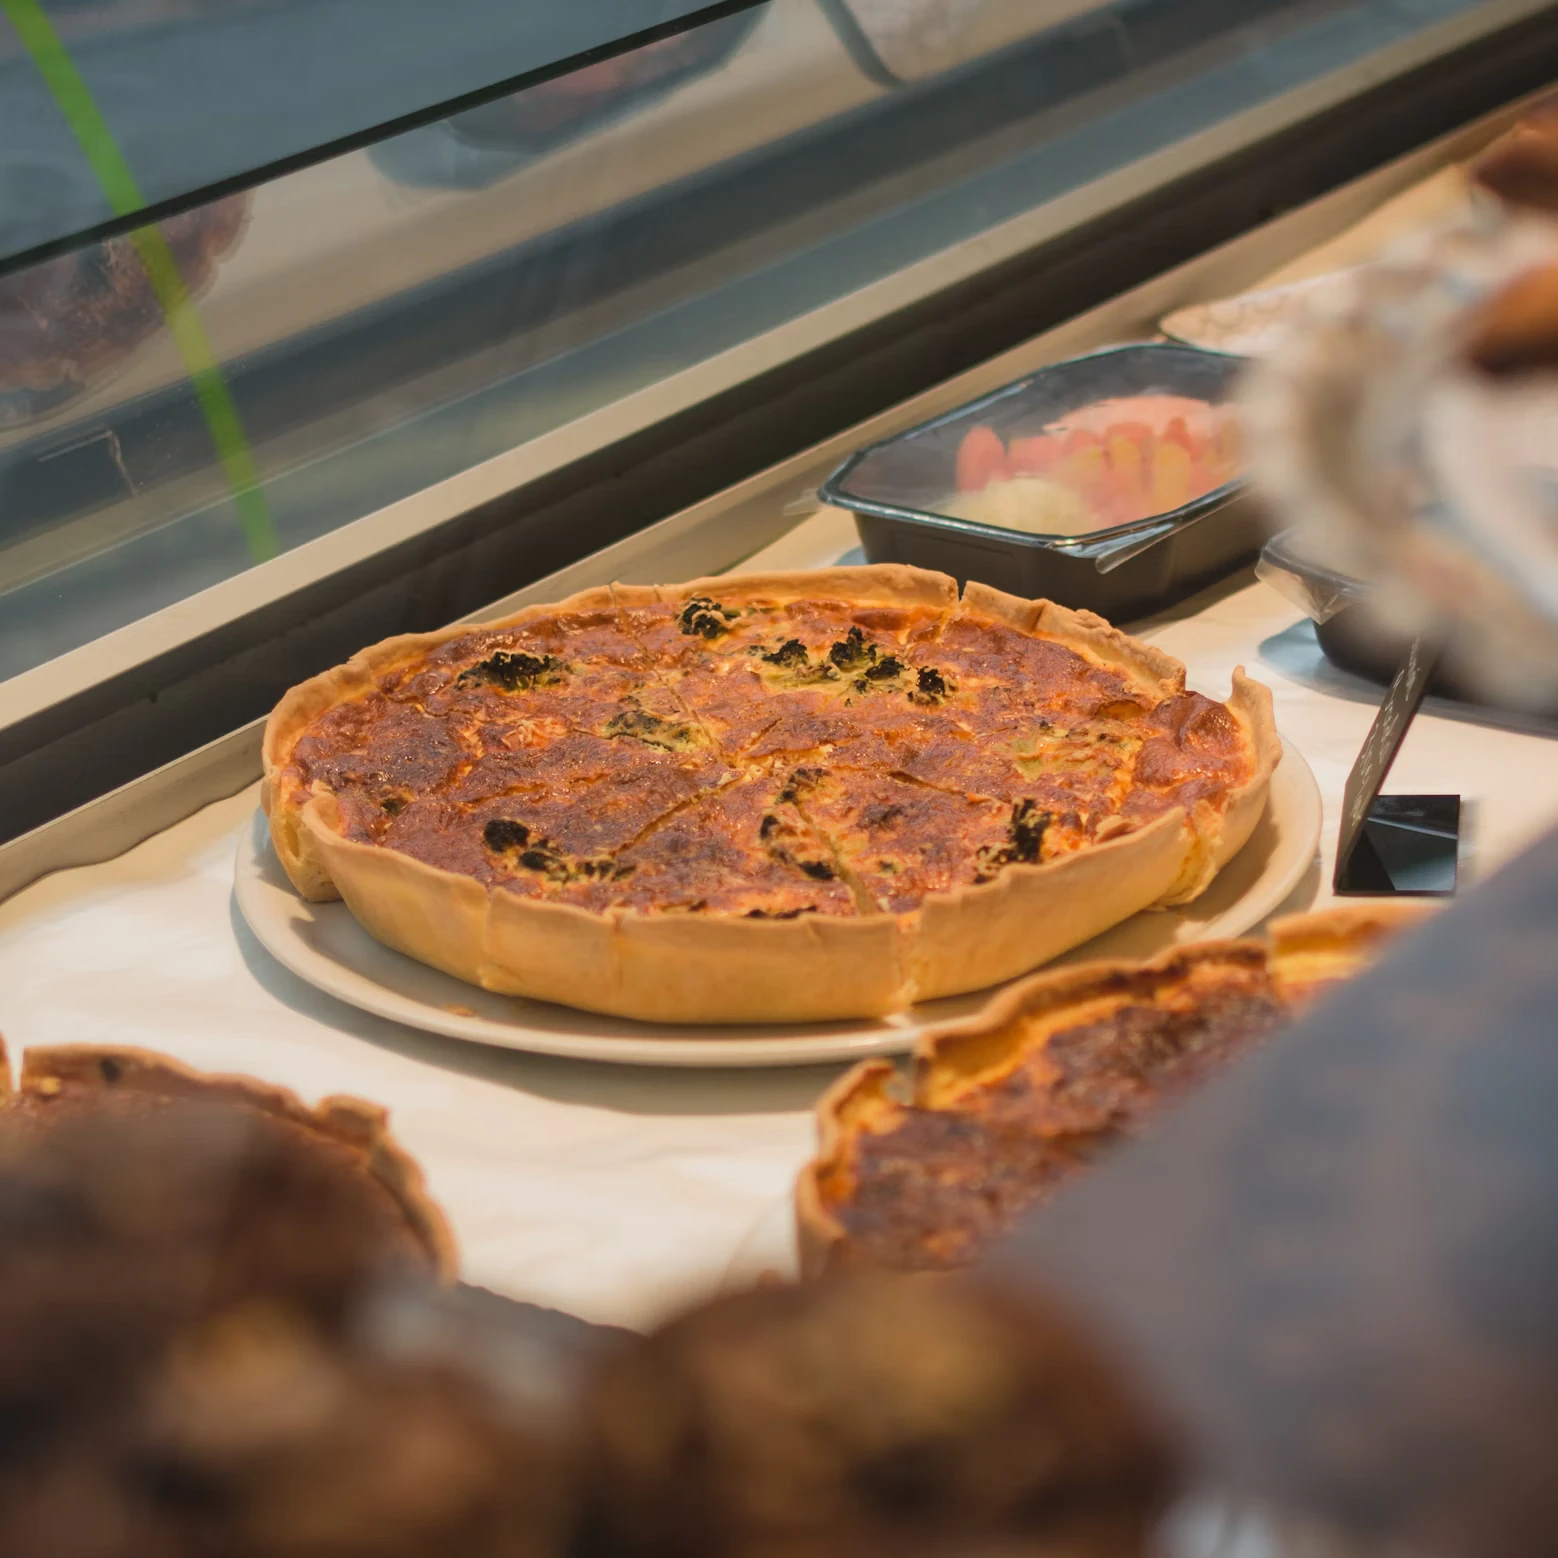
x: 780, y: 797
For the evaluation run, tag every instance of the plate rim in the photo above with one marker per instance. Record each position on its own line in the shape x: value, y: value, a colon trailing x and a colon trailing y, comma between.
x: 723, y: 1049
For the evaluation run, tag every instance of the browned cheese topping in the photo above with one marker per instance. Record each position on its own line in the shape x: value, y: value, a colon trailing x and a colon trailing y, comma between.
x: 939, y: 1184
x: 767, y: 761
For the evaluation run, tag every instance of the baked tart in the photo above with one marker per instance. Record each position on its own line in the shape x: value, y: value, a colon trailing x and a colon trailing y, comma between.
x: 1521, y: 166
x: 779, y: 797
x: 924, y: 1174
x: 221, y: 1333
x: 340, y: 1155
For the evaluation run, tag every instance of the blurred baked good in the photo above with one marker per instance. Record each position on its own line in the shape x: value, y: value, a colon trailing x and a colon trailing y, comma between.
x: 339, y: 1157
x: 1521, y: 167
x: 871, y: 1416
x: 539, y: 116
x: 211, y: 1345
x: 1516, y: 330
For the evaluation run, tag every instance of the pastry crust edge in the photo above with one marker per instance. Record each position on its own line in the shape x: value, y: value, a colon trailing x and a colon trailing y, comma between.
x: 1306, y: 955
x: 675, y: 969
x: 49, y: 1071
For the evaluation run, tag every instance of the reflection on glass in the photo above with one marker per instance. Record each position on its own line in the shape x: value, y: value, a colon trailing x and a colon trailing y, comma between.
x: 70, y: 322
x: 389, y: 318
x: 193, y: 92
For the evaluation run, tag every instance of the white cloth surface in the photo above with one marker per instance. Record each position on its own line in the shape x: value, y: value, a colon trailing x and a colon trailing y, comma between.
x: 613, y: 1192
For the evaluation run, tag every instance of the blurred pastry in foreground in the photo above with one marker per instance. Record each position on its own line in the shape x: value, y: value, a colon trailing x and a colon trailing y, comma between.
x: 1521, y: 167
x: 870, y: 1416
x: 1056, y: 1070
x: 207, y: 1350
x: 1516, y: 330
x: 339, y: 1157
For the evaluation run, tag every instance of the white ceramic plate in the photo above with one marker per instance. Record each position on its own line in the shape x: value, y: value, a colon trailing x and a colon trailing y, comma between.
x: 323, y: 944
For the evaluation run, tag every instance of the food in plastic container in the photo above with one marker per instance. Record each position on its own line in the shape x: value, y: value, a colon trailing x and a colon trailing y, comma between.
x: 1116, y: 462
x: 1025, y: 489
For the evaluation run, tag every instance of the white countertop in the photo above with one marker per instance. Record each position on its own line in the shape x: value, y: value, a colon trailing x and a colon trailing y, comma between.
x: 608, y: 1191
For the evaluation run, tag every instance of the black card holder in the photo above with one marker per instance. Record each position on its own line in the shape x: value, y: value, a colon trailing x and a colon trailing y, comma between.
x: 1396, y: 845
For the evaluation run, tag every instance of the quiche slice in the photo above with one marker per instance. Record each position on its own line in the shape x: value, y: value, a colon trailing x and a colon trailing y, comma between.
x: 1004, y: 1106
x: 780, y: 797
x: 343, y: 1146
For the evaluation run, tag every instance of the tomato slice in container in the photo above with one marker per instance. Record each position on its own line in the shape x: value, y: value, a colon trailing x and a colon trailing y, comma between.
x: 1171, y: 476
x: 1128, y: 462
x: 1035, y: 456
x: 981, y: 460
x: 1136, y: 432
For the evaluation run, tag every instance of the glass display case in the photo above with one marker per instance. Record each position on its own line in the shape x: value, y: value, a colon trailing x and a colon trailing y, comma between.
x: 361, y: 376
x: 422, y: 1111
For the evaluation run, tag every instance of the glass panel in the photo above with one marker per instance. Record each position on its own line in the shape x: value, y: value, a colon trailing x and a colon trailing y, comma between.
x: 193, y: 92
x: 392, y: 317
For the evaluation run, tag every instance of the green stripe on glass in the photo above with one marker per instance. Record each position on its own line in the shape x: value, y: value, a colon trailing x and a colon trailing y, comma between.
x: 81, y: 113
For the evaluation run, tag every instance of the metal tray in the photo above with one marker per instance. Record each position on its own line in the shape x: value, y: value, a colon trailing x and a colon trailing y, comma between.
x: 1123, y: 572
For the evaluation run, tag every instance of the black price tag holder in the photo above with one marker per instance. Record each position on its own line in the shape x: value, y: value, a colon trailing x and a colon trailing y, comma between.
x: 1396, y: 845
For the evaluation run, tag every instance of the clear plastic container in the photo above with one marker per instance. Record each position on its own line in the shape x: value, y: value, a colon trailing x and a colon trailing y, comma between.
x: 901, y: 490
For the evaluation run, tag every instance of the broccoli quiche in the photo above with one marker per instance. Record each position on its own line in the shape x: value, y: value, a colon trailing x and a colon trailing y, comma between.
x: 783, y: 797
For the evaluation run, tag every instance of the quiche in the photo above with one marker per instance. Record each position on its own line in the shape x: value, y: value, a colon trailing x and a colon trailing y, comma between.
x: 223, y: 1336
x: 341, y: 1152
x: 1055, y: 1071
x: 780, y: 797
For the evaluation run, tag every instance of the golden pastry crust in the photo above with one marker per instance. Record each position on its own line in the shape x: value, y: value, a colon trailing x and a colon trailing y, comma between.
x: 1311, y: 953
x: 1056, y: 1069
x: 807, y: 792
x: 69, y: 1080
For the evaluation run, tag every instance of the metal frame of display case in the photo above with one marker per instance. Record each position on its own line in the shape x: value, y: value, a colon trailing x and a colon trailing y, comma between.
x: 1060, y: 279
